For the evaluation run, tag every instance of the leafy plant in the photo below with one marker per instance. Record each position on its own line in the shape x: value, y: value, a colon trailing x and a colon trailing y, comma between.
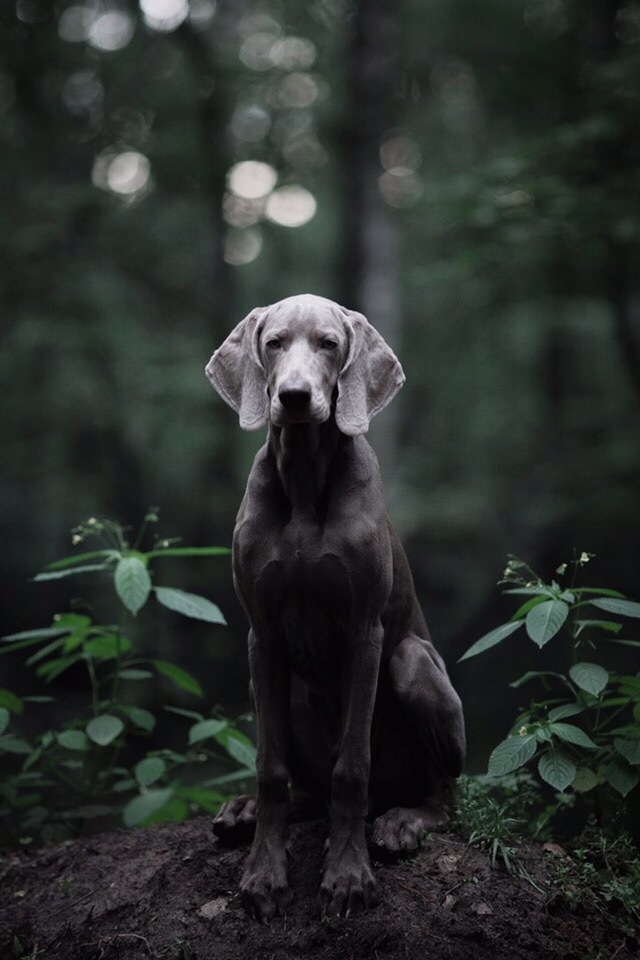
x: 75, y: 772
x: 600, y: 745
x: 602, y: 873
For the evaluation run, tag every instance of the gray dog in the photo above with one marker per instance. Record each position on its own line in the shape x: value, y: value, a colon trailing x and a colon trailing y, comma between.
x: 354, y: 707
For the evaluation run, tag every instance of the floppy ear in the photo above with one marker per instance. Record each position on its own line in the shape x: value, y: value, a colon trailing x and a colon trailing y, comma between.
x: 237, y: 374
x: 370, y: 377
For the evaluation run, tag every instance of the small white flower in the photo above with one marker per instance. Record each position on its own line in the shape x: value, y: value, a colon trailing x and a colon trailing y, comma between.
x: 91, y: 522
x: 522, y: 732
x: 76, y: 539
x: 584, y: 558
x: 561, y: 569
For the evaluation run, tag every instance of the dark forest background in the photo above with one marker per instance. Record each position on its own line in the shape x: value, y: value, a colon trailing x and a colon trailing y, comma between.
x: 465, y: 172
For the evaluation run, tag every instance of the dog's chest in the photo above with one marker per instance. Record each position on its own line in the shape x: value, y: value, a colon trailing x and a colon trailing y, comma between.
x: 311, y: 597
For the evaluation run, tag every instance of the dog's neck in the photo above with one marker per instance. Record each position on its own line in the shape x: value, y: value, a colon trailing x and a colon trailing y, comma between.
x: 303, y: 453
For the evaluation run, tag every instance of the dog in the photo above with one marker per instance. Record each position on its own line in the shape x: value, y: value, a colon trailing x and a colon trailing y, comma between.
x: 355, y: 711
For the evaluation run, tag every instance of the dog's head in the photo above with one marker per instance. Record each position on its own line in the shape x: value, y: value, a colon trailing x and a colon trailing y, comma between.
x: 285, y: 363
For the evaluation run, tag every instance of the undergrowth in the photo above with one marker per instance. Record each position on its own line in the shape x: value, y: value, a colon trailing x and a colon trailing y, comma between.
x: 584, y: 769
x: 80, y: 765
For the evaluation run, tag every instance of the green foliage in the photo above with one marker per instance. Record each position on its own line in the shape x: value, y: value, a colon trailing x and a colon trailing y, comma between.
x: 602, y: 873
x: 599, y: 870
x: 77, y: 771
x: 599, y: 749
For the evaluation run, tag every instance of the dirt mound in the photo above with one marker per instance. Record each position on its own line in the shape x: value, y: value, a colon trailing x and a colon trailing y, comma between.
x: 170, y: 892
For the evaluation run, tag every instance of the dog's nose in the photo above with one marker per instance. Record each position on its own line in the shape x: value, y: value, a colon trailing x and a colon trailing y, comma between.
x: 295, y: 397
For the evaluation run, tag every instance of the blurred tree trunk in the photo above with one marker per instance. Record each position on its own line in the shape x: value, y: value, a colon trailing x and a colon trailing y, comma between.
x: 219, y: 477
x: 368, y: 270
x: 618, y: 158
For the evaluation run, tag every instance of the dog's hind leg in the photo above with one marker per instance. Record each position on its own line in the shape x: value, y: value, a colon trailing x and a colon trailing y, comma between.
x: 432, y: 708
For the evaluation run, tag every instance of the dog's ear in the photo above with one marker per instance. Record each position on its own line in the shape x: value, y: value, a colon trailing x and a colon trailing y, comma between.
x: 235, y: 370
x: 370, y: 377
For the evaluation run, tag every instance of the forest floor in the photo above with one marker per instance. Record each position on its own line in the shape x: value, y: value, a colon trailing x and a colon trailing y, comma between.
x: 170, y: 892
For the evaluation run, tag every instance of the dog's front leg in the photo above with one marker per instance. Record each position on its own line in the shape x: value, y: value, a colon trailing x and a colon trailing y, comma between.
x: 348, y: 884
x: 264, y: 884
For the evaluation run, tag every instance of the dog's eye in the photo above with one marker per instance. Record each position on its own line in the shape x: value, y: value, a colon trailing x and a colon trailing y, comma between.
x: 329, y: 343
x: 274, y: 343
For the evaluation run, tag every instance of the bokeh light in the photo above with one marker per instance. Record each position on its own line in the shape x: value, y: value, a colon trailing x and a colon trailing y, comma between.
x: 252, y: 179
x: 298, y: 90
x: 164, y: 15
x: 82, y: 92
x: 291, y: 206
x: 242, y: 246
x: 127, y: 173
x: 240, y: 212
x: 293, y: 53
x: 250, y: 123
x: 111, y: 30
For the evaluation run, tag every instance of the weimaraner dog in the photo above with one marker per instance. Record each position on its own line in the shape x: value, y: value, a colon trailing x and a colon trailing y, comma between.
x: 355, y: 710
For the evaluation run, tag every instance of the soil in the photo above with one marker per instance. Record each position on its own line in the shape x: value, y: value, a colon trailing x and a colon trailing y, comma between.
x: 170, y: 892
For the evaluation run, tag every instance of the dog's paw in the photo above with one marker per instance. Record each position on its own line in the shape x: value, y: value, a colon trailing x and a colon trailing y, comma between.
x: 399, y: 832
x: 235, y: 822
x: 265, y: 890
x: 347, y: 887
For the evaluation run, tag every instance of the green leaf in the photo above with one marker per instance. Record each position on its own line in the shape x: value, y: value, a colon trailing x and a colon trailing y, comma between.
x: 107, y: 647
x: 229, y: 778
x: 138, y: 810
x: 532, y: 674
x: 600, y: 591
x: 54, y: 668
x: 557, y: 769
x: 512, y: 753
x: 71, y: 572
x: 80, y: 558
x: 540, y: 591
x: 545, y: 620
x: 141, y: 718
x: 205, y: 729
x: 179, y: 676
x: 491, y: 639
x: 72, y: 621
x: 189, y: 604
x: 629, y: 749
x: 104, y: 729
x: 15, y: 745
x: 5, y: 717
x: 571, y: 734
x: 207, y: 800
x: 529, y: 605
x: 132, y: 583
x: 149, y: 770
x: 35, y: 635
x: 73, y: 740
x: 11, y: 701
x: 44, y: 652
x: 181, y: 712
x: 132, y: 673
x: 623, y: 608
x: 566, y: 710
x: 123, y: 786
x: 175, y: 811
x: 239, y: 747
x: 590, y: 677
x: 190, y: 552
x: 621, y: 777
x: 584, y: 780
x: 609, y: 625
